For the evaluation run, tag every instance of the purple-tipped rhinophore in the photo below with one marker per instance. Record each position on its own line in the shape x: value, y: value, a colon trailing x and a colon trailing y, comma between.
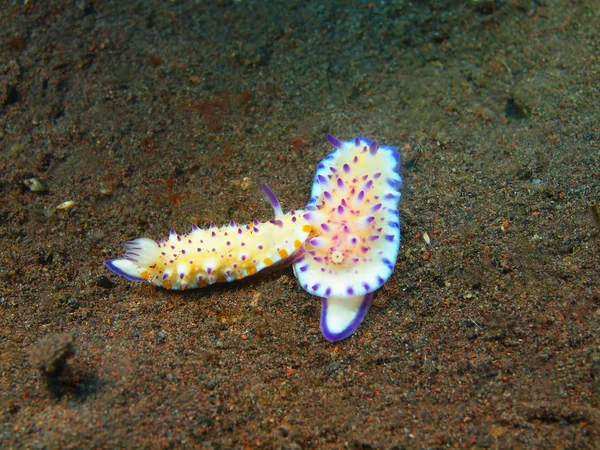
x: 334, y: 141
x: 272, y: 199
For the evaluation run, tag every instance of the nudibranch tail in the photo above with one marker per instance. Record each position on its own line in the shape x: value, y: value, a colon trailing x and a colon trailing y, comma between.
x: 340, y: 317
x: 124, y: 268
x: 201, y: 257
x: 353, y: 213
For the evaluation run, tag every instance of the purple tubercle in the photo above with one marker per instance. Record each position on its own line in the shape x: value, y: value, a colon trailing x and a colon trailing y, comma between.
x: 373, y: 148
x: 364, y: 140
x: 172, y: 233
x: 315, y: 242
x: 334, y: 141
x: 322, y: 179
x: 340, y: 183
x: 393, y: 183
x: 195, y: 227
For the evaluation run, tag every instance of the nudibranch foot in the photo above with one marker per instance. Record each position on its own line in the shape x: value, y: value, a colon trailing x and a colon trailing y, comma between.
x: 201, y: 257
x: 340, y: 317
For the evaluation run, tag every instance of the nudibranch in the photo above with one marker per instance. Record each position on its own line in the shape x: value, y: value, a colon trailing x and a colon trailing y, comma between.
x: 343, y: 245
x: 355, y: 231
x: 201, y: 257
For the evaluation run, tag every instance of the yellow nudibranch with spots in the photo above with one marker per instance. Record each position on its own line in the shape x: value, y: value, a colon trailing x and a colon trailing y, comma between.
x: 202, y: 257
x: 343, y: 245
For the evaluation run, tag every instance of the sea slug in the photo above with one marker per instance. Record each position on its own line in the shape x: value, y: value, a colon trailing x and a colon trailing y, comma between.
x: 343, y: 244
x: 352, y: 248
x: 201, y: 257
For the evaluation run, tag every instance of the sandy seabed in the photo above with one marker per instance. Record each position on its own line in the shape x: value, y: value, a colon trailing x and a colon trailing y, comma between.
x: 151, y: 115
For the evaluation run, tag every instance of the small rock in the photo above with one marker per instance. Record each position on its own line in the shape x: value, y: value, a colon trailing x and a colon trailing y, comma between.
x: 35, y: 185
x: 50, y: 354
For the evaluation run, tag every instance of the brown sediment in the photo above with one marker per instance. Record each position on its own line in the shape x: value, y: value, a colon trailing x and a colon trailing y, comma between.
x: 148, y: 115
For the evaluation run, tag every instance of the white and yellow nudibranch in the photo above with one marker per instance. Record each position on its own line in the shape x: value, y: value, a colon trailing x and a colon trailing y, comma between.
x: 202, y: 257
x: 355, y: 238
x: 343, y: 245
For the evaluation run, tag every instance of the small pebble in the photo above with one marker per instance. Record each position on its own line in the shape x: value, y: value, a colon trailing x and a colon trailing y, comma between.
x: 35, y: 185
x: 66, y: 205
x: 426, y: 238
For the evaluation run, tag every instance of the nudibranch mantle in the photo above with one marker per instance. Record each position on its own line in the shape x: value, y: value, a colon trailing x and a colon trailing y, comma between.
x: 202, y: 257
x: 353, y: 213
